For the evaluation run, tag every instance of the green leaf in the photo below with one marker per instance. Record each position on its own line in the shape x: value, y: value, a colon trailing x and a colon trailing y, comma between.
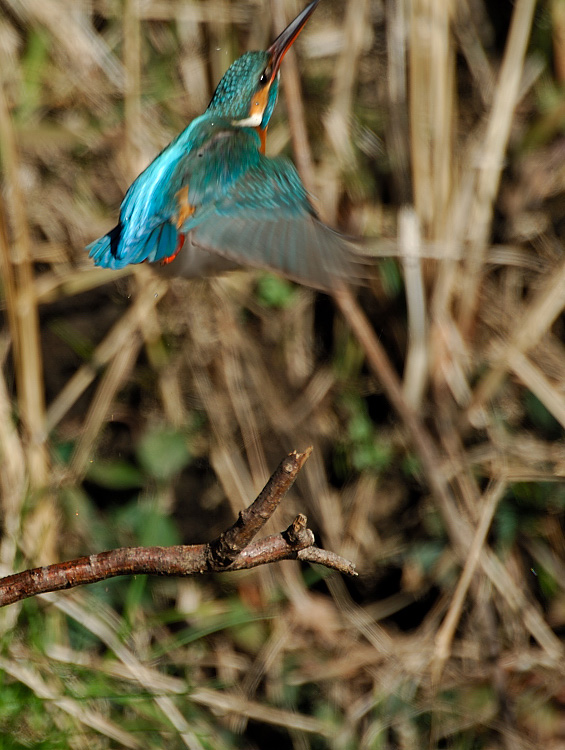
x: 114, y: 475
x: 146, y: 523
x: 273, y: 291
x: 360, y: 427
x: 506, y: 524
x: 155, y: 528
x: 163, y: 452
x: 426, y: 554
x: 390, y: 277
x: 540, y: 416
x: 376, y: 455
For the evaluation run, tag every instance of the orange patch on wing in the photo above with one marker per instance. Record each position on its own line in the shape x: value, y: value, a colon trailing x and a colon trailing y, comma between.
x: 184, y: 212
x: 185, y: 209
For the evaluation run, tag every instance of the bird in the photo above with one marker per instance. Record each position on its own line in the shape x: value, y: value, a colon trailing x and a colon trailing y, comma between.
x: 212, y: 201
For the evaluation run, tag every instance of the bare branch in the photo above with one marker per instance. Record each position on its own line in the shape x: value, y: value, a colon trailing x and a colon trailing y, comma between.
x: 232, y: 550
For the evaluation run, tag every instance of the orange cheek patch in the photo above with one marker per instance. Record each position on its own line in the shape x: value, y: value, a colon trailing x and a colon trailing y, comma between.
x: 259, y: 102
x: 185, y: 209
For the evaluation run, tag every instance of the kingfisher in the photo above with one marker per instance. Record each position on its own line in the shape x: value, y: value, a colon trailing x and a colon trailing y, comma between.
x: 212, y: 201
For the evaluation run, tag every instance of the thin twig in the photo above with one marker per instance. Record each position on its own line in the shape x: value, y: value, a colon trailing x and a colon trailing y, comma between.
x: 446, y: 633
x: 251, y: 520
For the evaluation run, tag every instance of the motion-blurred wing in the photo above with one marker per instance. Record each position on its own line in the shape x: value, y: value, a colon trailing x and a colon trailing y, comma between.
x: 260, y: 216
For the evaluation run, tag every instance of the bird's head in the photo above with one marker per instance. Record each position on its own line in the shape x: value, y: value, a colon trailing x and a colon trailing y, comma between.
x: 248, y: 91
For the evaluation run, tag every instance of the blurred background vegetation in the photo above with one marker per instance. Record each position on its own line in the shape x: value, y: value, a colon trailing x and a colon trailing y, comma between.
x: 139, y: 411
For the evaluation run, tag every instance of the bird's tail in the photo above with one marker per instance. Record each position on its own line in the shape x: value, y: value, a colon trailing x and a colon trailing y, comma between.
x: 104, y: 250
x: 117, y: 250
x: 99, y: 251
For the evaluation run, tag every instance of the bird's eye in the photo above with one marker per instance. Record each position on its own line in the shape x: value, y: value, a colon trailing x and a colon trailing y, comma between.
x: 266, y: 76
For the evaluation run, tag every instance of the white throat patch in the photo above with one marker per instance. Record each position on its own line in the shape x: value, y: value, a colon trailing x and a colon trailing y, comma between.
x: 249, y: 122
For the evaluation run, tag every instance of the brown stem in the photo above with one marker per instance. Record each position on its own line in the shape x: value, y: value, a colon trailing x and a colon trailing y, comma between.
x: 422, y: 441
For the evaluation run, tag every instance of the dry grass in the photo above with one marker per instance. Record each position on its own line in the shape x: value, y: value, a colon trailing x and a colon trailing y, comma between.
x: 135, y: 410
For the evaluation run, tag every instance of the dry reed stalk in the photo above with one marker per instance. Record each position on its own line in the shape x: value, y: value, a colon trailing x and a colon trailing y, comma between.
x: 337, y: 121
x: 532, y: 324
x: 133, y: 119
x: 232, y: 474
x: 8, y: 278
x: 193, y: 63
x: 60, y: 653
x: 17, y: 266
x: 416, y: 367
x: 221, y: 40
x: 226, y: 702
x: 557, y: 10
x: 13, y: 482
x: 398, y: 134
x: 445, y: 635
x: 473, y: 50
x: 12, y: 479
x: 75, y: 38
x: 112, y: 380
x: 535, y: 380
x: 294, y: 103
x: 111, y: 345
x: 234, y: 368
x: 42, y: 523
x: 432, y: 115
x: 132, y: 94
x: 51, y: 287
x: 491, y: 157
x: 431, y: 111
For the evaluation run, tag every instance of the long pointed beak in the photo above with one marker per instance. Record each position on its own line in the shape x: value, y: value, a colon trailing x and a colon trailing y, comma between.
x: 284, y: 41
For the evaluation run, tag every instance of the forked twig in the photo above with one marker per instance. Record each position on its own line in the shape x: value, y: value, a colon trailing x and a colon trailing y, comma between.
x: 232, y: 550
